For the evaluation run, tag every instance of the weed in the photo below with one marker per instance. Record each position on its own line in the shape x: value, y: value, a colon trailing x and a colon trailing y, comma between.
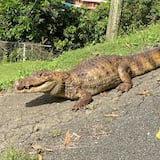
x: 56, y: 133
x: 91, y: 106
x: 12, y: 154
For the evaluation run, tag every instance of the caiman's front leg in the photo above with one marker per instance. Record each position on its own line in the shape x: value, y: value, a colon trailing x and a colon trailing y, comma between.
x: 124, y: 74
x: 84, y: 99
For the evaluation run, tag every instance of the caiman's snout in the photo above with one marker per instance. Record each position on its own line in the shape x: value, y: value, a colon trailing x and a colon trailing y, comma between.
x: 22, y: 86
x: 40, y: 81
x: 27, y: 83
x: 18, y: 86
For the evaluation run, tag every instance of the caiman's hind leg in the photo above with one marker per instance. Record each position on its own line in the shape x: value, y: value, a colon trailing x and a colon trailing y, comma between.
x: 124, y: 74
x: 84, y: 99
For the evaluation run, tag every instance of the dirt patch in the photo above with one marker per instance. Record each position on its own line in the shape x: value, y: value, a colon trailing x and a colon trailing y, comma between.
x: 37, y: 119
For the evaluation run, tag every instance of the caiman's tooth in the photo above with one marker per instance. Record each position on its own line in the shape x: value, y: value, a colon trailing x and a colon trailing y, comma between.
x: 28, y: 87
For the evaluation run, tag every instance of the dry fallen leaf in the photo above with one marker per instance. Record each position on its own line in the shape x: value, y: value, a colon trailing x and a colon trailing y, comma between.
x: 111, y: 115
x: 38, y: 147
x: 143, y: 92
x: 158, y: 134
x: 75, y: 136
x: 40, y: 156
x: 158, y: 79
x: 67, y: 138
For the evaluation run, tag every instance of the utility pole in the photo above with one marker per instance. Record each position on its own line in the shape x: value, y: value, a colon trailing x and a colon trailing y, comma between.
x: 114, y: 19
x: 24, y: 52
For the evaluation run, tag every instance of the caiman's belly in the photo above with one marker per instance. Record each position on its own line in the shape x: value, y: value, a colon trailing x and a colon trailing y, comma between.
x: 93, y: 87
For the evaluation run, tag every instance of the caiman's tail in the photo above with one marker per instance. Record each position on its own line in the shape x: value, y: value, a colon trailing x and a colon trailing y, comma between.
x: 145, y: 62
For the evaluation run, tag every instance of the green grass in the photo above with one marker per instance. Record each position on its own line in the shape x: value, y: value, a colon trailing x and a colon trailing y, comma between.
x: 9, y: 72
x: 12, y: 154
x: 12, y: 71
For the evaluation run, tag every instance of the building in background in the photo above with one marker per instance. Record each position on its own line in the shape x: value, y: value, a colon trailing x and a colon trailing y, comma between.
x: 89, y: 4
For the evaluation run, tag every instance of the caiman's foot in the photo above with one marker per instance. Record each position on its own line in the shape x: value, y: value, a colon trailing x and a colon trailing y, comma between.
x: 124, y: 87
x: 85, y: 98
x: 77, y: 107
x: 124, y: 71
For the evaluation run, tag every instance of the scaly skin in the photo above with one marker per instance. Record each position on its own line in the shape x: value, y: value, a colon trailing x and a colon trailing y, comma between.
x: 91, y: 77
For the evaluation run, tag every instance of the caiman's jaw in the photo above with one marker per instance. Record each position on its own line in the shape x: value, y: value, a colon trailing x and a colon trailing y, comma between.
x: 43, y: 87
x: 39, y: 81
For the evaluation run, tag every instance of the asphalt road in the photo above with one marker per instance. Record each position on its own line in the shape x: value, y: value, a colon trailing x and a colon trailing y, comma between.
x: 32, y: 121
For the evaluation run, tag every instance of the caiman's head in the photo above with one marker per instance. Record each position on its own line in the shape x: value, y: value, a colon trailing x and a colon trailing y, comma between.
x: 41, y: 81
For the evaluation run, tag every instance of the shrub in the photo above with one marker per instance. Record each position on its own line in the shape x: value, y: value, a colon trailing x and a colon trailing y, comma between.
x: 90, y: 29
x: 138, y: 14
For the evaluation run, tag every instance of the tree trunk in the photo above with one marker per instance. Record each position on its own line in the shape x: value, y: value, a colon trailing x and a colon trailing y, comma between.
x: 114, y: 19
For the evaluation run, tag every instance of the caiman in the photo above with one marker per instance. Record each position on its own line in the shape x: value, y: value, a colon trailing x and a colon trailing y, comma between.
x: 91, y: 77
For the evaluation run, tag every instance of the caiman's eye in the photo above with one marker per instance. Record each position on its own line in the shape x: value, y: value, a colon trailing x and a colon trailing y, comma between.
x: 40, y: 74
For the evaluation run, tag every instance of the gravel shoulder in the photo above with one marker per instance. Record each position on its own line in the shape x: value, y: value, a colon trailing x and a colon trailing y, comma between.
x: 28, y: 120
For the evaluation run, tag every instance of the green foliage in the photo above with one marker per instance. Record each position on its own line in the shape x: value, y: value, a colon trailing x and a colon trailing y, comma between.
x: 9, y: 72
x: 90, y: 29
x: 4, y: 59
x: 14, y: 19
x: 137, y: 14
x: 64, y: 27
x: 51, y: 22
x: 94, y: 23
x: 12, y: 154
x: 34, y: 20
x: 70, y: 41
x: 56, y: 133
x: 4, y: 85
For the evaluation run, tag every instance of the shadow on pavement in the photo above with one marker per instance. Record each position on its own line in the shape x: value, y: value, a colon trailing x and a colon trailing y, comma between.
x: 44, y: 99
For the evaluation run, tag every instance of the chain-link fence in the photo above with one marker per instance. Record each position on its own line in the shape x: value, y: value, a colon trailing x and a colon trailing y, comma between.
x: 18, y: 51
